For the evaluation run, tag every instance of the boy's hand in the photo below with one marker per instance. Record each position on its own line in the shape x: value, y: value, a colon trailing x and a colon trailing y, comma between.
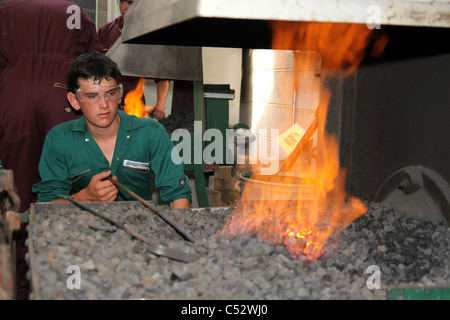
x: 98, y: 189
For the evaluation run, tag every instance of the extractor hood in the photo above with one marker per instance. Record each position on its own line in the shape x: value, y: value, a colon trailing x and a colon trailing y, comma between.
x: 158, y: 61
x: 246, y: 23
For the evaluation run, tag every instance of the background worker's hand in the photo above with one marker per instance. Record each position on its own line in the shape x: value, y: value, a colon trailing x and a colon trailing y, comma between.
x: 158, y: 113
x: 98, y: 189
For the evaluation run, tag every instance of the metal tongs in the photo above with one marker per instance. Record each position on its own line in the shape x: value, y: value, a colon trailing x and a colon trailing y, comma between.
x: 172, y: 253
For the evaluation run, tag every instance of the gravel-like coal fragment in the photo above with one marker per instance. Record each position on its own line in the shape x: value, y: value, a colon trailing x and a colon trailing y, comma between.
x: 183, y: 119
x: 408, y: 250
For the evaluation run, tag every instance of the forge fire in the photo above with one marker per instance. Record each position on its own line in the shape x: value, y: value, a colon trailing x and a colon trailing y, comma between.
x: 305, y: 225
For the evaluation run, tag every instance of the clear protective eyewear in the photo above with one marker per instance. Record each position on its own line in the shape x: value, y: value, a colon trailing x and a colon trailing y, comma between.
x: 113, y: 95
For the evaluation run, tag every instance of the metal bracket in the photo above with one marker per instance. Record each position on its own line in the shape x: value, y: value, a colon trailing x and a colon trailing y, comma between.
x: 417, y: 190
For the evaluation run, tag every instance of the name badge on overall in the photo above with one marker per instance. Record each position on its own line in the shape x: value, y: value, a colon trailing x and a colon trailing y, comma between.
x: 136, y: 165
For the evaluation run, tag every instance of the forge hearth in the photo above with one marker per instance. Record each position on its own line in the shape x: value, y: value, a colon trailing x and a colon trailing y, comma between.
x: 409, y: 250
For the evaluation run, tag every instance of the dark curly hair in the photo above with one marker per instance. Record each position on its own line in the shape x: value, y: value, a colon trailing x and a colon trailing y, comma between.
x: 91, y: 66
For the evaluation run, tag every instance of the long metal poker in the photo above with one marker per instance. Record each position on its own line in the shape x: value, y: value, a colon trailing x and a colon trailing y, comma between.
x: 157, y: 249
x: 149, y: 205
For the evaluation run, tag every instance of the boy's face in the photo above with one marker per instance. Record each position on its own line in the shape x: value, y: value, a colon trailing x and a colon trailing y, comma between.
x: 99, y: 101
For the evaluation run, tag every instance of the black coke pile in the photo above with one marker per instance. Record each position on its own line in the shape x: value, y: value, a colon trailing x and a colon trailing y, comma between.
x: 405, y: 250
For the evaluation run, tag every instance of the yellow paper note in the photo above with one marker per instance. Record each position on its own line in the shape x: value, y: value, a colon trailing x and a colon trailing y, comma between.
x: 290, y: 138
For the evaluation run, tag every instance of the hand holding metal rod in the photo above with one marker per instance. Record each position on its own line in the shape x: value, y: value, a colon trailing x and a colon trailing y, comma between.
x: 149, y: 205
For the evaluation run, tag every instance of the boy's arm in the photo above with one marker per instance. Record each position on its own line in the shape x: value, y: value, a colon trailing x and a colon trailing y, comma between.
x: 180, y: 204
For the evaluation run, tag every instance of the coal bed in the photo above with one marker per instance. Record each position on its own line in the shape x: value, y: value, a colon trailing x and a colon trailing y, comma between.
x: 408, y: 251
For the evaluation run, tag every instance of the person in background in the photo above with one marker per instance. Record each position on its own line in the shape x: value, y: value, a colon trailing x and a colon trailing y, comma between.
x: 78, y: 155
x: 108, y: 35
x: 39, y: 39
x: 36, y: 49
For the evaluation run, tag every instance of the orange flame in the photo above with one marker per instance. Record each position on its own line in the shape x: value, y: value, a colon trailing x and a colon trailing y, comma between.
x: 134, y: 104
x: 311, y: 209
x: 343, y: 46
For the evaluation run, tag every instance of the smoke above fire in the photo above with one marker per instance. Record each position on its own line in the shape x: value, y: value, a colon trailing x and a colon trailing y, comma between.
x: 303, y: 209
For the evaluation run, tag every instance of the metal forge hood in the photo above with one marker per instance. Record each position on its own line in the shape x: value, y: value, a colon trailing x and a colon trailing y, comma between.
x: 163, y: 39
x: 246, y: 24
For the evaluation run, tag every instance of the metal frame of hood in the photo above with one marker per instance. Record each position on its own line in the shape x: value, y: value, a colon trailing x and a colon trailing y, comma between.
x: 158, y: 62
x: 224, y: 23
